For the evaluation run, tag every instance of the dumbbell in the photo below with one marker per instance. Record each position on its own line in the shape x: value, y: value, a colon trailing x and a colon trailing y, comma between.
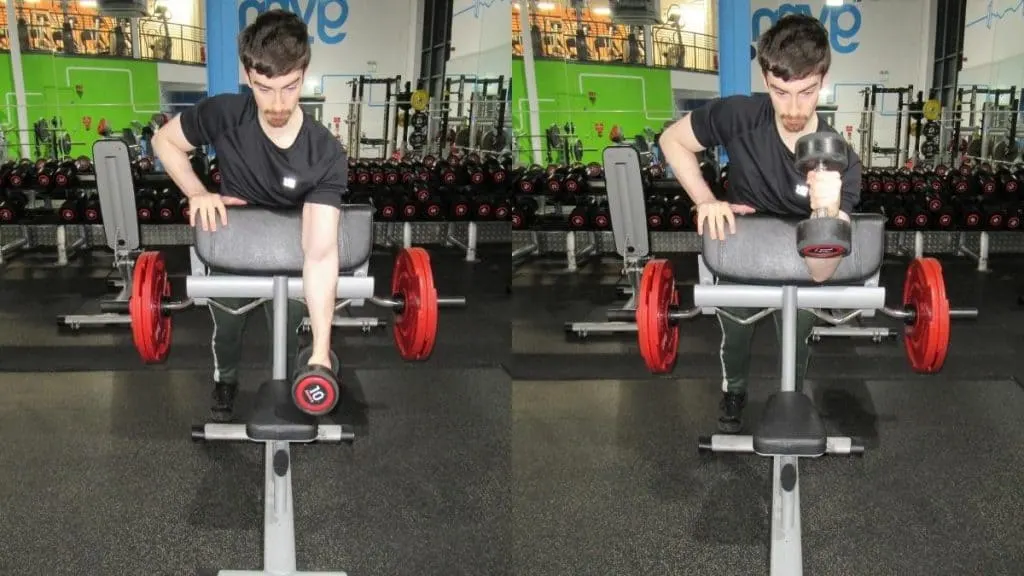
x: 823, y: 235
x: 315, y: 389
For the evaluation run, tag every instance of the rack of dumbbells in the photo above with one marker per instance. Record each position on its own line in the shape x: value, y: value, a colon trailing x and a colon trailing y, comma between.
x: 43, y: 203
x: 558, y: 205
x: 421, y: 200
x: 971, y: 211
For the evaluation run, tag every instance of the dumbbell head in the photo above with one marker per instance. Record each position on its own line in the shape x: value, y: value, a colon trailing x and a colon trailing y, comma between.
x: 821, y: 150
x: 315, y: 390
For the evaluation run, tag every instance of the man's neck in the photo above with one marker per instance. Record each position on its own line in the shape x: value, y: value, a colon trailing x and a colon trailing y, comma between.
x: 284, y: 136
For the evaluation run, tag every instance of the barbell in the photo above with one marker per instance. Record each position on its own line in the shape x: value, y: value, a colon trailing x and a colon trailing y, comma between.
x: 413, y: 300
x: 925, y: 312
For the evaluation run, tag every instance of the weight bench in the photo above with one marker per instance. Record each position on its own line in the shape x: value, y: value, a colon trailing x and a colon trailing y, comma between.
x: 626, y: 206
x: 116, y: 190
x: 762, y: 260
x: 260, y: 252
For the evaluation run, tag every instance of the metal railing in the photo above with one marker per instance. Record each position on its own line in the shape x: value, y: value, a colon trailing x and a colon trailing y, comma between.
x: 597, y: 41
x: 102, y: 36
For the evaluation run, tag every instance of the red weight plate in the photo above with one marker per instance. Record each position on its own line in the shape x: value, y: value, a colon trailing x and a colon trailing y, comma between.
x: 151, y: 329
x: 927, y: 339
x: 416, y: 327
x: 657, y: 335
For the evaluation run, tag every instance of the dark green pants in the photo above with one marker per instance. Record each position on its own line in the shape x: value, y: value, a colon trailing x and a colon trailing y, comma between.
x: 228, y: 332
x: 736, y: 340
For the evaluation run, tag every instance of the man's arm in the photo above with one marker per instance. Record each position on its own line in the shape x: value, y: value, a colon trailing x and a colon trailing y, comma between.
x: 195, y: 127
x: 320, y: 231
x: 821, y: 269
x: 711, y: 125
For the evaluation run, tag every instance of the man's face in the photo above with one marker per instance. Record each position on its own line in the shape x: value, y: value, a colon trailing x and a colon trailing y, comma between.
x: 794, y: 101
x: 277, y: 98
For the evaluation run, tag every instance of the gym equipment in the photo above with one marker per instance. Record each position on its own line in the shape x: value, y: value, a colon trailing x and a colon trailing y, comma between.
x: 116, y: 190
x: 760, y: 270
x: 419, y: 100
x: 315, y: 390
x: 925, y: 312
x: 908, y: 112
x: 414, y: 301
x: 273, y: 272
x: 624, y: 186
x: 823, y: 235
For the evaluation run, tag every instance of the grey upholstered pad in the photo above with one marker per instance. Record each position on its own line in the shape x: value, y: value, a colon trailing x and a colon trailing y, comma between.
x: 763, y: 251
x: 261, y: 242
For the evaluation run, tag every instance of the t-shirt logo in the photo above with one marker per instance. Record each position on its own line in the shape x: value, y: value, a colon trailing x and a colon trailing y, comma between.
x: 288, y: 182
x: 802, y: 190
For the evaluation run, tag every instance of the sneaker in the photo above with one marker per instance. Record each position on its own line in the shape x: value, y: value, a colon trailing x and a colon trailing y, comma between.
x: 223, y: 401
x: 730, y: 421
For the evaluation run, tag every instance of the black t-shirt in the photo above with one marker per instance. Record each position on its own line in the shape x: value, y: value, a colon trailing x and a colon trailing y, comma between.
x: 314, y: 169
x: 762, y: 170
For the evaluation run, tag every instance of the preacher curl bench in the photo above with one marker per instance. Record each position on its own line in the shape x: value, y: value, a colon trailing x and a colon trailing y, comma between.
x: 761, y: 268
x: 259, y: 255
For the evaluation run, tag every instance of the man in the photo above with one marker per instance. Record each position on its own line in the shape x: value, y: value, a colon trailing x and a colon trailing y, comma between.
x: 759, y: 133
x: 270, y: 154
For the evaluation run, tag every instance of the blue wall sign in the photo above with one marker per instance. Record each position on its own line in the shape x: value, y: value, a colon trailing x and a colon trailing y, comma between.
x: 841, y: 30
x: 324, y: 18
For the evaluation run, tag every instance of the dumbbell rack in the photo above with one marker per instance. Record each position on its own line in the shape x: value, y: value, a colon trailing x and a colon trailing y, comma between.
x: 26, y: 239
x: 628, y: 213
x: 116, y: 189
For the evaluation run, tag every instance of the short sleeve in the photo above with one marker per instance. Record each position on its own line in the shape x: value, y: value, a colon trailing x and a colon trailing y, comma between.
x: 202, y: 123
x: 333, y: 187
x: 719, y: 121
x: 851, y: 183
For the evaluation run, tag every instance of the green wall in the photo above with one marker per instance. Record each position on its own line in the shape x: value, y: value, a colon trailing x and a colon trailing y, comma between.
x: 119, y: 90
x: 630, y: 96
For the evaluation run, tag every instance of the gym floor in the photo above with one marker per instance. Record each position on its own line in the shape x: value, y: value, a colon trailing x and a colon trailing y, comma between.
x: 99, y: 476
x: 593, y: 470
x: 607, y: 478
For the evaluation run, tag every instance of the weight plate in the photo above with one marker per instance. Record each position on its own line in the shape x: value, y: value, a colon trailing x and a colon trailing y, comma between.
x: 419, y: 100
x: 931, y: 130
x: 931, y: 110
x: 927, y: 338
x: 416, y: 325
x: 151, y: 328
x: 417, y: 140
x: 418, y: 121
x: 657, y: 334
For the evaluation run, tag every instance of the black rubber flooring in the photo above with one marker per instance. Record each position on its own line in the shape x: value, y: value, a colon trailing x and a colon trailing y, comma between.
x: 605, y: 463
x: 579, y: 463
x: 100, y: 477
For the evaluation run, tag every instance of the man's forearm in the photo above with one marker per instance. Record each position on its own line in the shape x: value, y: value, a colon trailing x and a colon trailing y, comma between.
x: 821, y: 269
x: 320, y: 285
x: 177, y: 166
x: 686, y: 169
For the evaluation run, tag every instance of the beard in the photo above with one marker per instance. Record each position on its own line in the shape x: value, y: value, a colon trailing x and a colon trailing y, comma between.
x: 794, y: 123
x: 277, y: 119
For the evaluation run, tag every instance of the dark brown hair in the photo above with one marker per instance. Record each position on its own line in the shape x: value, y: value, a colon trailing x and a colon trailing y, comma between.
x: 275, y: 44
x: 795, y: 48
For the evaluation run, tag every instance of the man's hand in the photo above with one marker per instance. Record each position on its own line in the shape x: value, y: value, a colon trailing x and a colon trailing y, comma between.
x: 207, y: 205
x: 825, y: 191
x: 717, y: 213
x: 320, y: 275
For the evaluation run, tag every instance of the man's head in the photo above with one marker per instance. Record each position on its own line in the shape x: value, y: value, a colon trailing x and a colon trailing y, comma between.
x: 275, y: 53
x: 795, y: 57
